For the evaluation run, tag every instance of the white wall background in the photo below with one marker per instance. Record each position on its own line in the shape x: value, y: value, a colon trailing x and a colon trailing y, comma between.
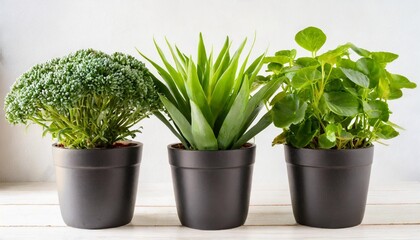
x: 35, y: 31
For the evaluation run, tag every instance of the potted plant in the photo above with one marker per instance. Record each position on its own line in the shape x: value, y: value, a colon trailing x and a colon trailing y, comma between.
x: 88, y: 101
x: 332, y: 107
x: 211, y: 110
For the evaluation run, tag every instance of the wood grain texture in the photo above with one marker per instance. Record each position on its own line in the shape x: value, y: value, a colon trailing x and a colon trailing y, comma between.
x: 31, y: 211
x: 242, y: 233
x: 49, y: 215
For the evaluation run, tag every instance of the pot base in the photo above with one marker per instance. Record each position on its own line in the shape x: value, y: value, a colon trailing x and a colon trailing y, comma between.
x: 97, y: 187
x: 328, y: 187
x: 212, y: 188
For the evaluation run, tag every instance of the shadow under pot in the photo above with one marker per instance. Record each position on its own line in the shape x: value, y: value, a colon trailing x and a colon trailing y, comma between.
x: 329, y: 187
x: 97, y: 187
x: 212, y: 188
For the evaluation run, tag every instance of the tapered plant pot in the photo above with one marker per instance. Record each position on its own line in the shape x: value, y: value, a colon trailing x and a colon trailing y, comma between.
x: 97, y: 187
x: 329, y: 187
x: 212, y: 188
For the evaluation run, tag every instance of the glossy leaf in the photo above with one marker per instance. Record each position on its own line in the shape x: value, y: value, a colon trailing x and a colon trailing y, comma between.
x: 177, y: 78
x: 305, y: 77
x: 377, y: 109
x: 346, y: 63
x: 182, y: 104
x: 277, y: 59
x: 180, y: 121
x: 371, y: 69
x: 229, y: 132
x: 331, y: 130
x: 224, y: 85
x: 278, y: 97
x: 291, y: 54
x: 386, y: 131
x: 262, y: 124
x: 383, y: 88
x: 300, y: 135
x: 333, y: 56
x: 171, y: 128
x: 201, y: 130
x: 257, y: 101
x: 288, y: 110
x: 311, y: 38
x: 196, y: 93
x: 395, y: 93
x: 274, y: 67
x: 307, y: 62
x: 342, y: 103
x: 384, y: 57
x: 201, y: 56
x: 325, y: 142
x: 360, y: 51
x: 356, y: 77
x: 399, y: 82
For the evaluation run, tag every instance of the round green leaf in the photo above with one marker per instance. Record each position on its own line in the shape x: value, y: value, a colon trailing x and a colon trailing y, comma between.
x: 342, y: 103
x: 311, y: 38
x: 330, y: 131
x: 399, y: 81
x: 277, y: 59
x: 301, y: 135
x: 356, y: 77
x: 288, y: 110
x: 386, y: 131
x: 333, y: 56
x: 325, y: 142
x: 305, y: 76
x: 307, y: 62
x: 274, y: 67
x: 376, y: 110
x: 371, y: 69
x: 291, y: 54
x: 395, y: 94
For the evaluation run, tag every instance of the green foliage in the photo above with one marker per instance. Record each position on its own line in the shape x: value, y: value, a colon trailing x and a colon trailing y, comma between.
x: 87, y: 99
x: 331, y: 100
x: 209, y: 102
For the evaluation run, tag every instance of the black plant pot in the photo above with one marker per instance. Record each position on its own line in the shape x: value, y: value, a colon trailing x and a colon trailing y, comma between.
x: 329, y: 187
x: 212, y: 188
x: 97, y: 187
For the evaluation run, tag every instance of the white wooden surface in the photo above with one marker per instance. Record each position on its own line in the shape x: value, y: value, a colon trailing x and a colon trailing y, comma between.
x: 31, y: 211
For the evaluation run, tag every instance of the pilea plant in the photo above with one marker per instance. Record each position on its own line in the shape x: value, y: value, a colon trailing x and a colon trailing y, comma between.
x: 87, y: 99
x: 333, y: 100
x: 209, y: 101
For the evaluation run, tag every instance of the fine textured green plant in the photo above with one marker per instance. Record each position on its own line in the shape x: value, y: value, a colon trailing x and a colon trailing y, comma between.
x: 210, y: 102
x: 331, y: 100
x: 87, y: 99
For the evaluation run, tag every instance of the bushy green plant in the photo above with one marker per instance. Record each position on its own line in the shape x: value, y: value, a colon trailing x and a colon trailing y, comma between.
x: 332, y: 100
x: 210, y: 102
x: 87, y: 99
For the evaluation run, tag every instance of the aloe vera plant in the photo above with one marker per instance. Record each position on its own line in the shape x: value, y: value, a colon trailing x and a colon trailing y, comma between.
x: 212, y: 102
x: 334, y: 100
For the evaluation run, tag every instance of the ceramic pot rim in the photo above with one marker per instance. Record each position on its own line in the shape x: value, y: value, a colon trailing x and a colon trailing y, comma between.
x: 206, y: 159
x: 329, y: 158
x: 98, y: 157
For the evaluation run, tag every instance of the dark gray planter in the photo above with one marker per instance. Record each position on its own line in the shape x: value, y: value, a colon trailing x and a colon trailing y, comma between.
x: 97, y: 187
x: 212, y: 188
x: 329, y: 187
